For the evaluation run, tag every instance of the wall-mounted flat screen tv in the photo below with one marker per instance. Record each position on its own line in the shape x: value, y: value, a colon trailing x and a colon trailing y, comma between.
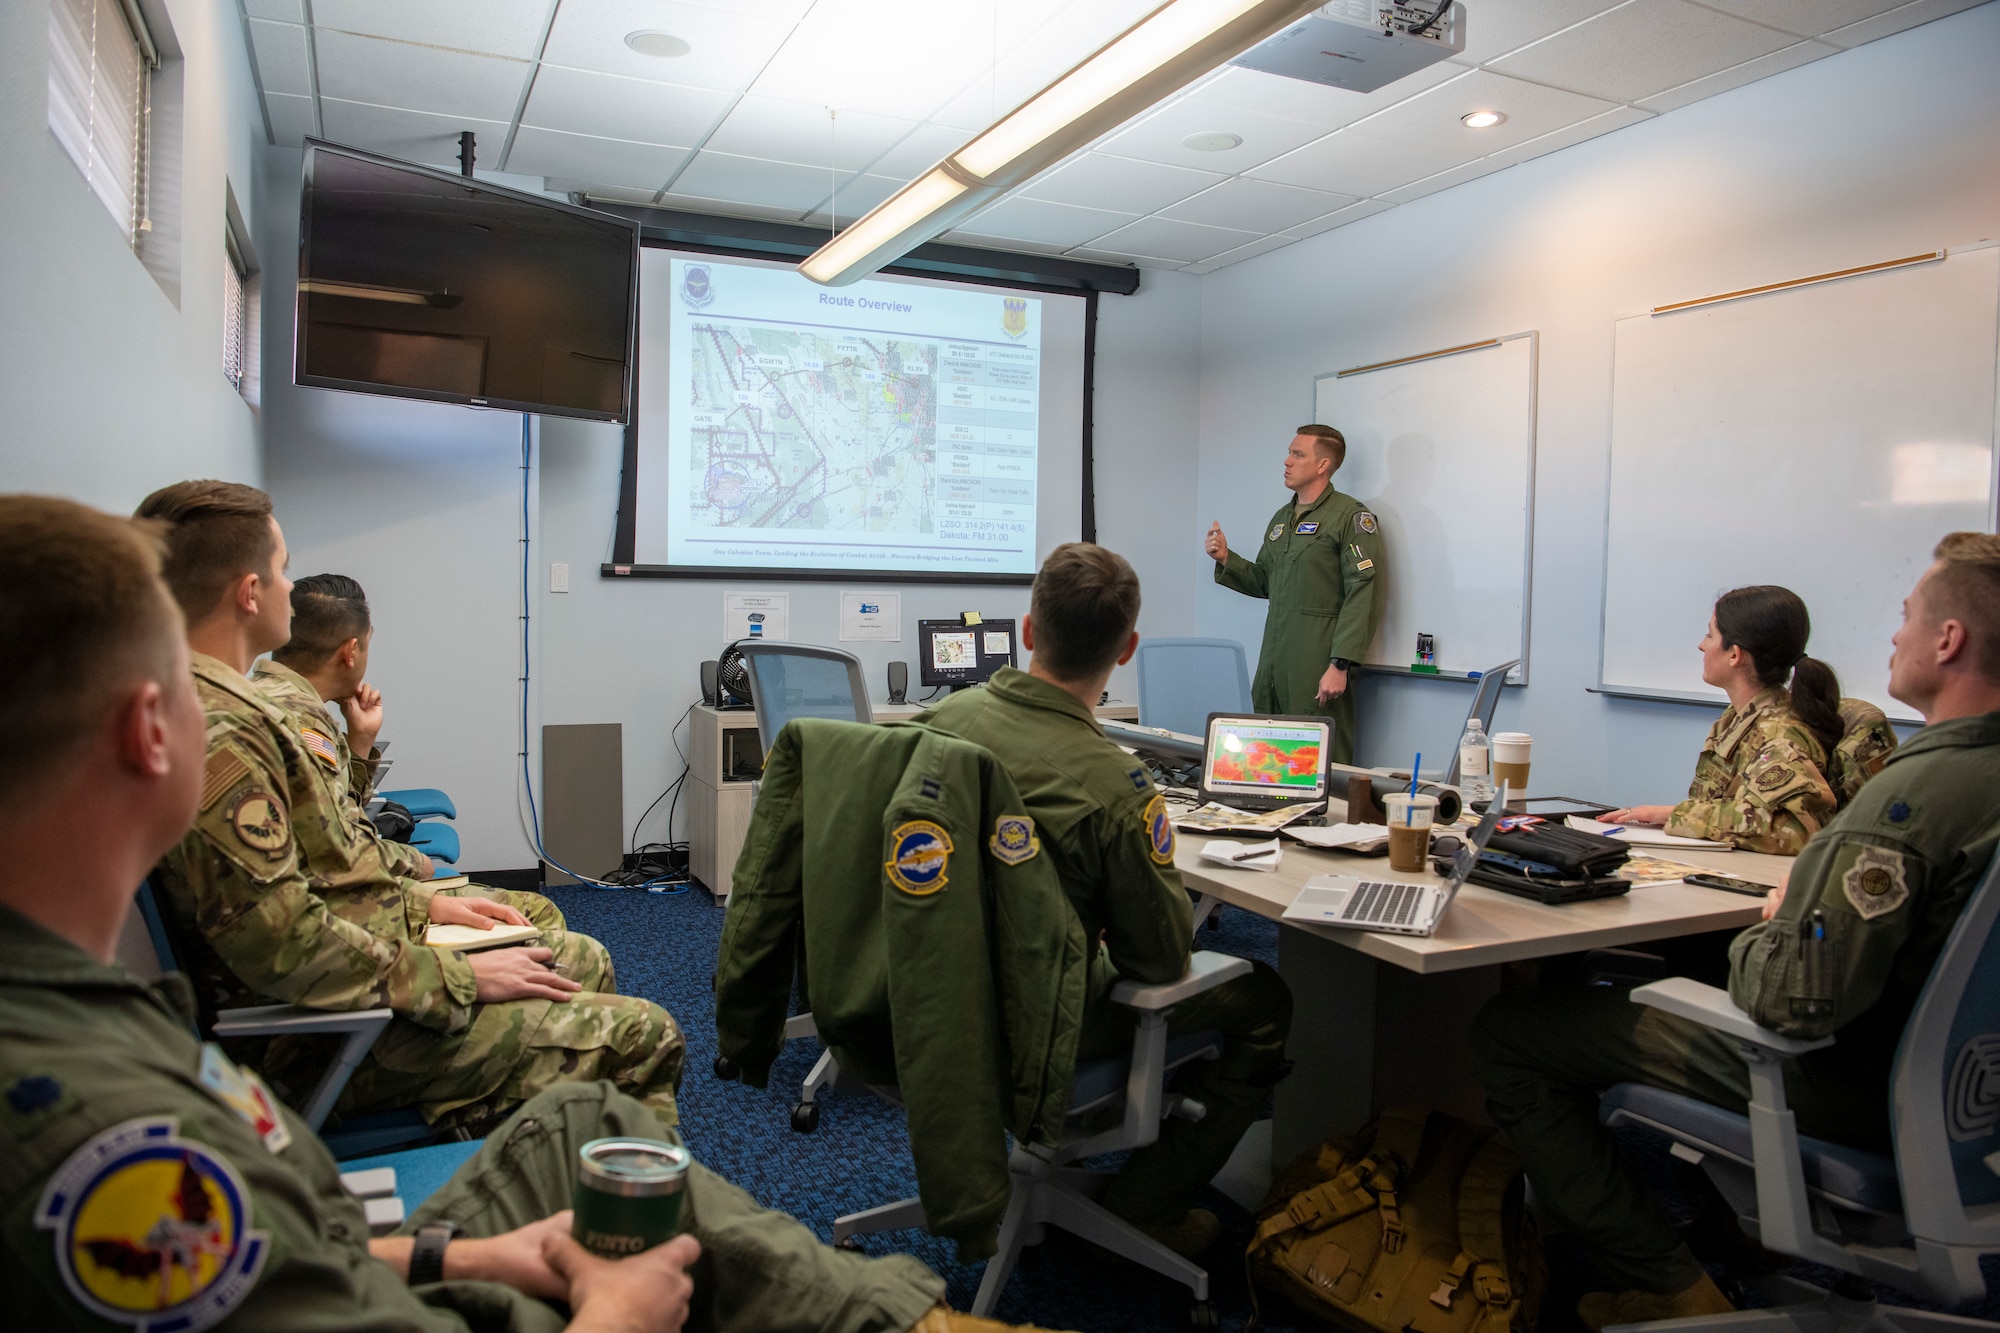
x: 424, y: 284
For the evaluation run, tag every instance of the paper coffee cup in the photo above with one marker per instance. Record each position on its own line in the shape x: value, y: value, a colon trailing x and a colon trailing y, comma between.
x: 1511, y: 751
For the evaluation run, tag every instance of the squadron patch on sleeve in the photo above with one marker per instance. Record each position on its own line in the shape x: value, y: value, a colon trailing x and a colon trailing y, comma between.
x: 1365, y: 521
x: 1014, y: 840
x: 1771, y: 779
x: 1159, y: 831
x: 920, y: 852
x: 321, y: 746
x: 152, y: 1230
x: 1277, y: 531
x: 1875, y: 884
x: 259, y: 823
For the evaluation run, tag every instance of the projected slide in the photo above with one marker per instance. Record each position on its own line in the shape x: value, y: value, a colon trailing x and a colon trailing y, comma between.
x: 878, y: 426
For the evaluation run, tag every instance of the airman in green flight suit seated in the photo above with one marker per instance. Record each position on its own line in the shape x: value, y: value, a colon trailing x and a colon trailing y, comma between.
x: 1107, y: 830
x: 1320, y: 565
x: 1874, y: 895
x: 146, y: 1181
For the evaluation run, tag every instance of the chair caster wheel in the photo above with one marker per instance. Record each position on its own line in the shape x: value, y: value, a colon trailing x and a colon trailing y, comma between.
x: 726, y: 1069
x: 805, y: 1117
x: 1215, y: 919
x: 1202, y: 1317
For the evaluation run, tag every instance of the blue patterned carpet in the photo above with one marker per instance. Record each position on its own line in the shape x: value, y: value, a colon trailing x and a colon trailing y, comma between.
x: 665, y: 949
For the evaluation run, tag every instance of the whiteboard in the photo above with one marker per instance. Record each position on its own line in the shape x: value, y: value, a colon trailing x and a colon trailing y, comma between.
x: 1442, y: 448
x: 1822, y: 438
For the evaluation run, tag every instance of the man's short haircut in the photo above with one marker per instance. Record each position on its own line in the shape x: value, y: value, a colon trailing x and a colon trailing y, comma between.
x: 1965, y: 586
x: 1330, y: 442
x: 85, y: 617
x: 216, y: 532
x: 1085, y: 603
x: 327, y: 611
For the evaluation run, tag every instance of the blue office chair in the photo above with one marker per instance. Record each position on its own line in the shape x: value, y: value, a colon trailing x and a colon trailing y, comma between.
x: 1182, y: 681
x: 422, y: 802
x: 437, y: 841
x: 1919, y: 1219
x: 787, y: 681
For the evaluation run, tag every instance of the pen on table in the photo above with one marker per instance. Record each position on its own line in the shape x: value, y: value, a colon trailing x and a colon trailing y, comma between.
x: 1253, y: 854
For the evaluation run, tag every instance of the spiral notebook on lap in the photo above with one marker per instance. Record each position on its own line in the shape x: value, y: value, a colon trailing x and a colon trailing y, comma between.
x: 470, y: 939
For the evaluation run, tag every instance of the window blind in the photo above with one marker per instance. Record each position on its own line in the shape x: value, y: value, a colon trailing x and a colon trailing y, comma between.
x: 99, y: 59
x: 235, y: 313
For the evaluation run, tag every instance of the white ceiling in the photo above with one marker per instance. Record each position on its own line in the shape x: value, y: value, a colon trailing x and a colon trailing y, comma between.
x: 817, y: 110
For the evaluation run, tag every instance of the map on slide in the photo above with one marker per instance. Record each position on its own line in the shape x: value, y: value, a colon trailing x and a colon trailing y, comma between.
x: 1281, y: 761
x: 815, y: 430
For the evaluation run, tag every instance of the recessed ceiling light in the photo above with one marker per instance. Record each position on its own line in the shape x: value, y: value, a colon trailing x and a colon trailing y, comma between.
x: 648, y: 42
x: 1212, y: 141
x: 1480, y: 120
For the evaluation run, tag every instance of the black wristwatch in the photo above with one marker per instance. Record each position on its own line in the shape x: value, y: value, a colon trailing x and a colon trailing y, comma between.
x: 427, y: 1254
x: 1343, y: 663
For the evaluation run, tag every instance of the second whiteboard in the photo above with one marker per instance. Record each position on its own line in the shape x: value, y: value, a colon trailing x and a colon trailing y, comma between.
x: 1442, y: 448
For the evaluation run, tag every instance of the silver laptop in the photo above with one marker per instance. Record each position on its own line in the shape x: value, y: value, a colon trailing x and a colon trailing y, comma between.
x: 1354, y: 903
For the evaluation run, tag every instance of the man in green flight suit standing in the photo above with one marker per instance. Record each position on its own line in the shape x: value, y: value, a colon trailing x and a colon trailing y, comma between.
x: 1320, y: 565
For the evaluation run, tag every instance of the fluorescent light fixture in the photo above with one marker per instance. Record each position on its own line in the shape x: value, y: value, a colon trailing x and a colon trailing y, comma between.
x: 1480, y: 120
x: 1159, y: 55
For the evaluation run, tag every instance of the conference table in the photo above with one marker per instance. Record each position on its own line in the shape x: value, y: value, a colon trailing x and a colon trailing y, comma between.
x: 1383, y: 1020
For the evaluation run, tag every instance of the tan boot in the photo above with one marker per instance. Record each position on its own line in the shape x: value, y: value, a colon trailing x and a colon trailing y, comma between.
x: 944, y: 1319
x: 1191, y: 1236
x: 1602, y: 1309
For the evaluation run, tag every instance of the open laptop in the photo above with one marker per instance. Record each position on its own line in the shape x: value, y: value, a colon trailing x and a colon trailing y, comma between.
x: 1255, y: 763
x: 1352, y: 902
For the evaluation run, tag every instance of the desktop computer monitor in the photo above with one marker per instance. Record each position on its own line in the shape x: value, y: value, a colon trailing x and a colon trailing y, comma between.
x: 950, y: 652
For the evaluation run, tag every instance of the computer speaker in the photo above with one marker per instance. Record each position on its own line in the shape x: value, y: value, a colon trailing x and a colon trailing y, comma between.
x: 708, y: 670
x: 899, y: 681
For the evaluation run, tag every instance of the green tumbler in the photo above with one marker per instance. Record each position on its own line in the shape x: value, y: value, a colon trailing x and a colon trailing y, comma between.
x: 628, y: 1195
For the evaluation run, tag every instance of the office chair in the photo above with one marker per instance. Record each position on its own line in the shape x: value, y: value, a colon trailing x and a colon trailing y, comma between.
x: 1485, y: 700
x: 787, y: 681
x: 1182, y: 681
x: 1918, y: 1219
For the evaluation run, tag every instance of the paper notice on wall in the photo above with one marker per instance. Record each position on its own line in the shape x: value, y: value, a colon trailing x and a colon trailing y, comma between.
x: 871, y: 615
x: 756, y: 615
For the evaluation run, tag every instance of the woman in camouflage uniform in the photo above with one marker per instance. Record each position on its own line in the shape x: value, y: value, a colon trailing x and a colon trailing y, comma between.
x: 1761, y: 782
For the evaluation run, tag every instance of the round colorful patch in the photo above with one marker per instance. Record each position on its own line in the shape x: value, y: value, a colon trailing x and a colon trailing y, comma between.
x: 920, y: 852
x: 1277, y: 531
x: 260, y: 823
x: 1014, y: 840
x: 1159, y: 830
x: 151, y: 1230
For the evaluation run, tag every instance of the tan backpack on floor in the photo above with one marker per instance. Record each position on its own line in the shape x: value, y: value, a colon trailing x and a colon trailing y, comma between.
x: 1416, y: 1224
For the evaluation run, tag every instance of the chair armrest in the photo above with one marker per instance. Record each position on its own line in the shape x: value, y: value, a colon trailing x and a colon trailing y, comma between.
x: 1205, y: 972
x: 270, y: 1020
x: 1712, y: 1008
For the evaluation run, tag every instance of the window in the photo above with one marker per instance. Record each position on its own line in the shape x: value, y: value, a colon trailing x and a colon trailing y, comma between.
x: 100, y: 57
x: 235, y: 311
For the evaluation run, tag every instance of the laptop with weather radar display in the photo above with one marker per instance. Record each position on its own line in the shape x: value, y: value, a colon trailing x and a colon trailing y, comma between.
x: 1264, y: 763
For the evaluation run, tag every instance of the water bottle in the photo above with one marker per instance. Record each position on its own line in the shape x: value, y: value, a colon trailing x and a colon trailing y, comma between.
x: 1475, y: 764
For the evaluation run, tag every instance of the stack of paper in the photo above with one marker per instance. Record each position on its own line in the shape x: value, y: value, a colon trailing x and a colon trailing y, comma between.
x: 1346, y: 837
x: 1217, y: 818
x: 1244, y: 855
x: 1642, y: 836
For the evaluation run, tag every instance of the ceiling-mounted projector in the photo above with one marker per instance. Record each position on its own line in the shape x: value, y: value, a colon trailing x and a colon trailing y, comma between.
x: 1362, y: 45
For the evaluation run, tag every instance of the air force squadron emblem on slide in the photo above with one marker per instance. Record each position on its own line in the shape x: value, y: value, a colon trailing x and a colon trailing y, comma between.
x: 1014, y: 316
x: 697, y: 291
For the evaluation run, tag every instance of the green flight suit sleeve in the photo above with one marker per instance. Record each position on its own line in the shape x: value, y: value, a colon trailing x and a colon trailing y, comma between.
x: 1149, y: 920
x: 1244, y: 576
x: 1867, y: 891
x: 255, y: 906
x: 1779, y: 801
x: 1360, y: 575
x: 760, y: 938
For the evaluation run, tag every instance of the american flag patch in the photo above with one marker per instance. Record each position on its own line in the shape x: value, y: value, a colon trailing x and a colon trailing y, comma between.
x: 222, y: 772
x: 321, y: 747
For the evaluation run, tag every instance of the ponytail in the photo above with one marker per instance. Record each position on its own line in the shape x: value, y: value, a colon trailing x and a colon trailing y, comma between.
x: 1771, y: 625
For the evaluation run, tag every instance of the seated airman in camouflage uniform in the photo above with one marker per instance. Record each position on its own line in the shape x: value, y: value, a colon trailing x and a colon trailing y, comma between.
x: 1761, y: 781
x: 325, y: 662
x: 1866, y: 740
x: 1844, y: 951
x: 282, y: 901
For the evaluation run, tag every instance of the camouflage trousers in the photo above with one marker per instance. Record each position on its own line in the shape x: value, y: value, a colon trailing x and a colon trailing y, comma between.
x: 514, y: 1049
x: 759, y: 1271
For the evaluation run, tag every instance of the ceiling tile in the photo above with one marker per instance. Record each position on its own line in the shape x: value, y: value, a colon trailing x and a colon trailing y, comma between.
x: 1096, y: 180
x: 610, y: 194
x: 728, y: 208
x: 285, y: 11
x: 1896, y: 20
x: 857, y: 195
x: 1444, y: 180
x: 291, y: 118
x: 1044, y: 223
x: 495, y: 27
x: 282, y: 63
x: 1080, y: 29
x: 1157, y: 138
x: 977, y: 105
x: 1801, y: 53
x: 1241, y: 253
x: 1354, y: 161
x: 1314, y: 103
x: 1615, y: 119
x: 924, y: 148
x: 1496, y: 27
x: 753, y: 181
x: 1119, y: 257
x: 414, y: 136
x: 1642, y: 48
x: 1254, y: 205
x: 1162, y: 238
x: 1002, y: 243
x: 730, y: 47
x: 1367, y: 208
x: 614, y: 107
x: 787, y: 11
x: 1432, y: 117
x: 418, y: 78
x: 798, y: 132
x: 1807, y: 18
x: 877, y: 65
x: 539, y: 152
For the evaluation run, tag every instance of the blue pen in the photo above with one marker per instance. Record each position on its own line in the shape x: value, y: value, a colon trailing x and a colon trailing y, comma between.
x: 1819, y: 924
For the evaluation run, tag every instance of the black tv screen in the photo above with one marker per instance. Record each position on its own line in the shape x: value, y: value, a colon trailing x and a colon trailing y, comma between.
x: 426, y: 284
